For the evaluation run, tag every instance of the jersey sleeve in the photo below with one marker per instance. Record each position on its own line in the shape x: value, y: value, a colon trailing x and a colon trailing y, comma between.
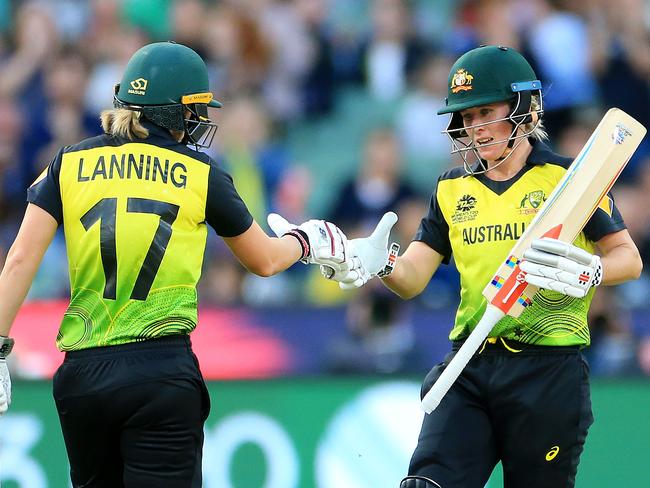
x: 46, y: 190
x: 606, y: 220
x: 225, y: 211
x: 434, y: 230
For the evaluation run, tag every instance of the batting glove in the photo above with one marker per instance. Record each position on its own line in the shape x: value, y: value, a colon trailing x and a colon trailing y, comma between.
x: 5, y: 387
x: 371, y: 255
x: 6, y: 344
x: 562, y: 267
x: 322, y: 242
x: 351, y: 273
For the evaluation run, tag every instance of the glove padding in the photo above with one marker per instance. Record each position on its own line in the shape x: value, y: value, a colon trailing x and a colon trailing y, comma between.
x: 327, y: 244
x: 369, y: 256
x: 5, y: 387
x: 562, y: 267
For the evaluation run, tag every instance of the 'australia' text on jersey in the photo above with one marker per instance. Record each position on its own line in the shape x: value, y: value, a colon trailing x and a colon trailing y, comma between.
x: 496, y: 232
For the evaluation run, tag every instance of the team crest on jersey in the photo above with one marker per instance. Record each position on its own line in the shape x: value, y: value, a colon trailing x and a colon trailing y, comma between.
x: 465, y: 209
x: 461, y: 81
x: 138, y: 87
x: 531, y: 202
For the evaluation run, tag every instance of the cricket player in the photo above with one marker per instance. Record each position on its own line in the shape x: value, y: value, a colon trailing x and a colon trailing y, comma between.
x: 134, y: 204
x: 524, y: 398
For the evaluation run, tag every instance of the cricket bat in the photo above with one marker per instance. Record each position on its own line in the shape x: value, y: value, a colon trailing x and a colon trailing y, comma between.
x: 564, y: 214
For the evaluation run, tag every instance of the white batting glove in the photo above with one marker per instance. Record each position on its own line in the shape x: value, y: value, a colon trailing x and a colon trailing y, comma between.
x: 351, y: 272
x: 322, y: 242
x: 5, y: 387
x: 374, y: 257
x: 562, y: 267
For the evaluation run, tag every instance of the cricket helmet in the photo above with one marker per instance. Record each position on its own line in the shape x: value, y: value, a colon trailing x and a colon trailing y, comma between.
x: 490, y: 74
x: 162, y: 80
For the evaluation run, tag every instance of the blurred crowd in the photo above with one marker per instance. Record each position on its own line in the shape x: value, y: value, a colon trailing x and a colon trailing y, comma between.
x: 330, y: 112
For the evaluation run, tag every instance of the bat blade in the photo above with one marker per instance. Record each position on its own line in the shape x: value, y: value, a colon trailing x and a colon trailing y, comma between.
x: 571, y: 204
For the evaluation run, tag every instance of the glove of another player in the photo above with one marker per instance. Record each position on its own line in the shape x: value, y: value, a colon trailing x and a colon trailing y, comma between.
x: 5, y: 387
x: 370, y: 256
x: 562, y: 267
x: 322, y: 242
x: 352, y: 272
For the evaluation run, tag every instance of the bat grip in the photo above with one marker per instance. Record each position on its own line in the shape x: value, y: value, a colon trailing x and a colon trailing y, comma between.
x: 455, y: 367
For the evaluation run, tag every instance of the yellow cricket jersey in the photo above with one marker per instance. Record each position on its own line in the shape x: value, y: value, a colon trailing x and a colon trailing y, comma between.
x: 478, y: 220
x: 134, y: 215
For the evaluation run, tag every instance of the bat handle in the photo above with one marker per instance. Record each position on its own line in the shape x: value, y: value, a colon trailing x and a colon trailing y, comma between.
x: 455, y: 367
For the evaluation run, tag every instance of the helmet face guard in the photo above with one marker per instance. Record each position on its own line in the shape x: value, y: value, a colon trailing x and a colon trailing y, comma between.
x: 198, y: 128
x: 520, y: 115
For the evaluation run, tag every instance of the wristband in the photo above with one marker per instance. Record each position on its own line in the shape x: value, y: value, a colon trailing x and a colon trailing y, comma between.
x: 390, y: 261
x: 6, y: 345
x: 303, y: 240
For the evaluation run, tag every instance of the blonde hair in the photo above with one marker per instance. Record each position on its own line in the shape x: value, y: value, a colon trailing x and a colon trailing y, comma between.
x: 536, y: 128
x: 125, y: 123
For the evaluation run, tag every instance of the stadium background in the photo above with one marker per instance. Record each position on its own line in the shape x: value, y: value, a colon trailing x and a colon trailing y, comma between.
x: 329, y: 111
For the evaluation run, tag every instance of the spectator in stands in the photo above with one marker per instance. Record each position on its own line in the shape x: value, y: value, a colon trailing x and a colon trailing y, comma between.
x: 419, y: 132
x: 66, y: 119
x: 292, y: 56
x: 621, y: 64
x: 238, y: 53
x: 11, y: 168
x: 498, y: 22
x: 107, y: 66
x: 103, y: 30
x: 187, y: 18
x: 392, y: 52
x: 561, y: 52
x: 319, y: 81
x: 21, y: 78
x: 377, y: 187
x: 247, y: 148
x: 258, y: 163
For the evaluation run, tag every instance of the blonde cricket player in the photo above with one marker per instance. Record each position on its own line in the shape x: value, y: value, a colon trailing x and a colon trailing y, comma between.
x: 523, y: 398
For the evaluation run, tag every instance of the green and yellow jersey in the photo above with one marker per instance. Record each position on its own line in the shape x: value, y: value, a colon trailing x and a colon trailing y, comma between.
x: 478, y: 220
x: 134, y: 215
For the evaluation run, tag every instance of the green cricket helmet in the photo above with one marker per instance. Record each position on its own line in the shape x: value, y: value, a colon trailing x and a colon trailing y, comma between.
x: 162, y: 80
x: 485, y: 75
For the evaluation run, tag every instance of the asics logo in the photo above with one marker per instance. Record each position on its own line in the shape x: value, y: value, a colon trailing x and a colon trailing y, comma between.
x: 550, y: 455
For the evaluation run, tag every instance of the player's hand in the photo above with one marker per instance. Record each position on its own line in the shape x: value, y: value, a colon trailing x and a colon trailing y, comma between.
x: 323, y: 242
x: 374, y: 256
x: 5, y: 387
x: 350, y: 274
x: 562, y: 267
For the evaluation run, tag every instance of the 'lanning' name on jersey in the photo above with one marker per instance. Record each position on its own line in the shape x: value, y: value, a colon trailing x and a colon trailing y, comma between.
x: 129, y: 165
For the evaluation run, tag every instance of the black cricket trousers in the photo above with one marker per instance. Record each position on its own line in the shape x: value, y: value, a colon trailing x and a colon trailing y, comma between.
x: 526, y: 406
x: 132, y: 415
